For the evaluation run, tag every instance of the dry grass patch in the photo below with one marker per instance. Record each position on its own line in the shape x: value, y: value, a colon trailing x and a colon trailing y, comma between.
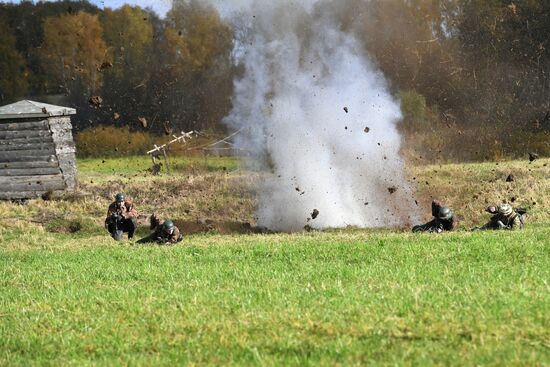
x: 216, y: 195
x: 470, y: 188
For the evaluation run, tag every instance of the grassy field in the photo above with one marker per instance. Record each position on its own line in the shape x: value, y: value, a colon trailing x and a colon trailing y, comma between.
x: 71, y: 296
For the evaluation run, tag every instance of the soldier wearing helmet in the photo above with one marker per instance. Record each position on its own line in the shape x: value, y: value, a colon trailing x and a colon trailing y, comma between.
x: 505, y: 217
x: 165, y: 233
x: 121, y: 218
x: 444, y: 220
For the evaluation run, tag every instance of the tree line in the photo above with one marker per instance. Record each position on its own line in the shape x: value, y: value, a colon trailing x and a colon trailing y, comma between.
x: 123, y: 67
x: 454, y: 64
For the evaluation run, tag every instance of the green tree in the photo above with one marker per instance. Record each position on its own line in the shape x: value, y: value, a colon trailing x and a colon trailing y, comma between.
x: 409, y: 41
x: 73, y: 51
x: 14, y: 75
x: 505, y: 52
x: 196, y: 73
x: 27, y: 22
x: 129, y: 35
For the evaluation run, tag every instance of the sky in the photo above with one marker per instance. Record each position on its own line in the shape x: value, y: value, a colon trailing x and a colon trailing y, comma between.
x: 161, y: 6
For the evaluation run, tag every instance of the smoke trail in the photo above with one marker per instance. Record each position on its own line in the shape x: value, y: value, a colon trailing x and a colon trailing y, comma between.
x: 319, y: 117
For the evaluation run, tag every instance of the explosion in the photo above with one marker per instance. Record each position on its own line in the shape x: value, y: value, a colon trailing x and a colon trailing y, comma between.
x: 317, y: 115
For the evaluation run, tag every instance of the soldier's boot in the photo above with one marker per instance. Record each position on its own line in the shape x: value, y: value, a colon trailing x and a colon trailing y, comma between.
x: 132, y: 225
x: 118, y: 235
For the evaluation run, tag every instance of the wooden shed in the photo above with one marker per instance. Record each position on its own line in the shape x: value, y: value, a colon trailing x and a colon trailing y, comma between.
x: 37, y: 151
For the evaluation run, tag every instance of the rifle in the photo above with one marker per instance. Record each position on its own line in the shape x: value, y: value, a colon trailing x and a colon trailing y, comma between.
x: 115, y: 218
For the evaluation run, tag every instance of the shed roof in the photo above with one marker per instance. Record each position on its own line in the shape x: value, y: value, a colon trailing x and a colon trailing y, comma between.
x: 26, y: 109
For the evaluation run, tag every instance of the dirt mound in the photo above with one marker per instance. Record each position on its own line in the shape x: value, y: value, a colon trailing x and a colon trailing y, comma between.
x: 222, y: 227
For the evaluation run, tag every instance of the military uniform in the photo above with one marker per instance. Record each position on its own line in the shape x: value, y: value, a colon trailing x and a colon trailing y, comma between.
x: 121, y: 219
x: 505, y: 217
x: 440, y: 223
x: 163, y: 236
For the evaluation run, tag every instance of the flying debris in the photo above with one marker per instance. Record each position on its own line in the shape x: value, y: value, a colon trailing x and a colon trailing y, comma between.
x: 95, y: 101
x: 314, y: 214
x: 105, y: 65
x: 168, y: 130
x: 143, y: 122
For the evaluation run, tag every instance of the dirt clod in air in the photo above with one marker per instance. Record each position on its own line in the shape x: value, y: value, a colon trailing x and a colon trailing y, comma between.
x: 168, y: 130
x: 143, y: 122
x: 105, y: 65
x: 314, y: 214
x: 392, y: 190
x: 367, y: 129
x: 346, y: 109
x: 116, y: 115
x: 95, y: 101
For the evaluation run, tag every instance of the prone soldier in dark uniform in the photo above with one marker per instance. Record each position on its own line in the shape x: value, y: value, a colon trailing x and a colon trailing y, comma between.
x: 444, y: 220
x: 504, y: 217
x: 121, y: 218
x: 165, y: 233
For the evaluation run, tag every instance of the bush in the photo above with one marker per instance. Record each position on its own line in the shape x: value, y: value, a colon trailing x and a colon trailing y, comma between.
x: 108, y: 141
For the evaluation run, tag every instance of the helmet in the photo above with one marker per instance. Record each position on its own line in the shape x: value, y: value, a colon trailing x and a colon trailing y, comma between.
x: 444, y: 213
x: 168, y: 224
x: 505, y: 209
x: 119, y: 198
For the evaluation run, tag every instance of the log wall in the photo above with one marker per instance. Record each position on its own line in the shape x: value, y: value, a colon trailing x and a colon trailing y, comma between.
x: 36, y: 157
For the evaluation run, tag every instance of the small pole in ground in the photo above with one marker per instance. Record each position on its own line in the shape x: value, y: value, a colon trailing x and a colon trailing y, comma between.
x: 166, y: 160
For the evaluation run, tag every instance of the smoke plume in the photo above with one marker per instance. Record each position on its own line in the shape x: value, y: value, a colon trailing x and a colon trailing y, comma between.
x: 318, y: 116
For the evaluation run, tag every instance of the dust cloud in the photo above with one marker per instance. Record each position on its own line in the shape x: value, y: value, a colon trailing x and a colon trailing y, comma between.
x: 314, y: 112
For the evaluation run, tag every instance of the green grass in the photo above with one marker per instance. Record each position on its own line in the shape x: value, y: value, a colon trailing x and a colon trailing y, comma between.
x: 342, y: 297
x: 141, y: 164
x: 69, y: 295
